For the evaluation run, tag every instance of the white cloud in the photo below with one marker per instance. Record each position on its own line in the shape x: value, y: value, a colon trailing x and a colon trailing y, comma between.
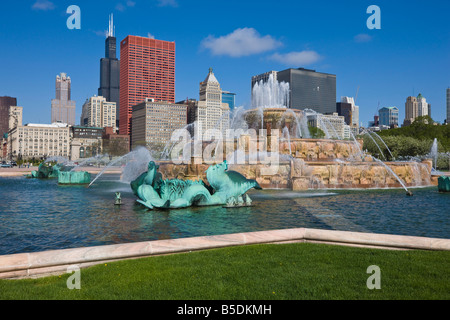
x: 241, y: 42
x: 149, y: 35
x: 362, y: 37
x: 43, y: 5
x: 168, y: 3
x: 100, y: 33
x: 120, y: 7
x: 296, y: 58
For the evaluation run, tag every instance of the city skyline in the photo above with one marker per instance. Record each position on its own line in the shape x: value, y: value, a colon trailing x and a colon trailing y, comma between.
x: 401, y: 59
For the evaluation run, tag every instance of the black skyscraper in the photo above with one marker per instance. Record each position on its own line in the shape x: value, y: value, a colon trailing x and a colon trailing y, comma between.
x: 310, y: 89
x: 109, y: 71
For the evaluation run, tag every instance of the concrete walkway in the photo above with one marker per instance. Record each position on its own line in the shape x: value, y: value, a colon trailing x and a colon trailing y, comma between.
x: 36, y: 264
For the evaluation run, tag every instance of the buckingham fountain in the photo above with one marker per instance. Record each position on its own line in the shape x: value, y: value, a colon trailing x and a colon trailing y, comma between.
x: 268, y: 146
x: 271, y: 144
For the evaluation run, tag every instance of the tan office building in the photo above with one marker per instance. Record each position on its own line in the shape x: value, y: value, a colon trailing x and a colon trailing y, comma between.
x: 63, y: 108
x: 153, y: 122
x: 415, y: 107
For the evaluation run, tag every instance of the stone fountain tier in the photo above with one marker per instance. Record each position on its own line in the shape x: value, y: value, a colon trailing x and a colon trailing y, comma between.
x: 358, y: 174
x: 273, y: 118
x: 303, y: 163
x: 306, y: 149
x: 320, y: 149
x: 298, y: 174
x: 295, y: 143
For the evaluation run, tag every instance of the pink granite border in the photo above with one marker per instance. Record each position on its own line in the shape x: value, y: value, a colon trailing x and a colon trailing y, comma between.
x: 56, y: 261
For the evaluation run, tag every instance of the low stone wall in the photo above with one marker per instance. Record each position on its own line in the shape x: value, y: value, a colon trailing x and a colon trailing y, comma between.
x: 369, y: 174
x: 57, y: 261
x: 320, y: 149
x: 298, y: 174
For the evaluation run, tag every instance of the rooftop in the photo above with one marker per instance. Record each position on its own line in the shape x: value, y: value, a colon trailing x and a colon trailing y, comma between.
x: 53, y: 125
x: 211, y: 77
x: 310, y: 71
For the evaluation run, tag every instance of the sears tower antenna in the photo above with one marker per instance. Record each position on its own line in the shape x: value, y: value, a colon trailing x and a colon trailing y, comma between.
x: 111, y: 28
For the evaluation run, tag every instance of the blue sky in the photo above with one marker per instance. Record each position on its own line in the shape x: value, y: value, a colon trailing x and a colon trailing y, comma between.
x: 409, y: 55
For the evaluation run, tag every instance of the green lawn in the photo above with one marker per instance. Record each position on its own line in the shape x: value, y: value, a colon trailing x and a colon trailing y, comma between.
x: 278, y: 271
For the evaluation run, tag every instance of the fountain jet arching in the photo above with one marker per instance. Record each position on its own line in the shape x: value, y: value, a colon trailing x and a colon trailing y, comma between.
x: 408, y: 192
x: 381, y: 152
x: 136, y: 162
x: 392, y: 157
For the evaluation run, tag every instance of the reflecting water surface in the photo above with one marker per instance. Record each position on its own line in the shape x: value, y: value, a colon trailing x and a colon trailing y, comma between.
x: 38, y: 215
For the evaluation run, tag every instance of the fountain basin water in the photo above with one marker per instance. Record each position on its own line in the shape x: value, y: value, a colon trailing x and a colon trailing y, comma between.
x: 55, y: 218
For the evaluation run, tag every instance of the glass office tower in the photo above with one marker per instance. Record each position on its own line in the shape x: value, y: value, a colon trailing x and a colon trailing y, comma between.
x: 310, y: 89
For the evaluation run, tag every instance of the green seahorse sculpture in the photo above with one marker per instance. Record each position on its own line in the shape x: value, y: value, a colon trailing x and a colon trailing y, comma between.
x: 225, y: 188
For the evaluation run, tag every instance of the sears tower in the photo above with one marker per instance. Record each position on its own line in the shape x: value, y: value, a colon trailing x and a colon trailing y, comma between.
x: 109, y: 69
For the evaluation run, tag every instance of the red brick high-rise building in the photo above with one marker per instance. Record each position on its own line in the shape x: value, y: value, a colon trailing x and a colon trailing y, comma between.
x: 147, y: 70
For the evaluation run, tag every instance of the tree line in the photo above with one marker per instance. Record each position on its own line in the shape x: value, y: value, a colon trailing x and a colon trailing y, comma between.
x: 413, y: 141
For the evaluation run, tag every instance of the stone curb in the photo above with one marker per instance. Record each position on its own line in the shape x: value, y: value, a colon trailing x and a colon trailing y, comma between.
x: 36, y: 264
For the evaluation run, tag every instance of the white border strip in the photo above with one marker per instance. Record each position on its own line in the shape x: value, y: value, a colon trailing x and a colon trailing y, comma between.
x: 56, y: 261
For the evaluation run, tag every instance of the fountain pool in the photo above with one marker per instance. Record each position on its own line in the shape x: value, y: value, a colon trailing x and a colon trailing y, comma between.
x: 39, y: 215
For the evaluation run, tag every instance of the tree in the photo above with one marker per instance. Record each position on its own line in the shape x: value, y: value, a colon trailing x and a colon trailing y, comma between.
x: 316, y: 133
x: 115, y: 147
x: 422, y: 120
x: 423, y: 129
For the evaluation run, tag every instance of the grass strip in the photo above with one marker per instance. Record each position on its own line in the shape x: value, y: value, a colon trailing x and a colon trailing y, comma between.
x: 297, y: 271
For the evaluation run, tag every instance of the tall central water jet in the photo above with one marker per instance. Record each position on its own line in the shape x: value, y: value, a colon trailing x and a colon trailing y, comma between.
x: 270, y: 109
x: 270, y: 94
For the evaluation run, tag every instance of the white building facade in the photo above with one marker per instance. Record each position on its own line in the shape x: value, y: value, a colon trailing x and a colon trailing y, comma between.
x: 422, y: 105
x: 333, y: 125
x: 97, y: 112
x: 210, y: 112
x: 40, y: 140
